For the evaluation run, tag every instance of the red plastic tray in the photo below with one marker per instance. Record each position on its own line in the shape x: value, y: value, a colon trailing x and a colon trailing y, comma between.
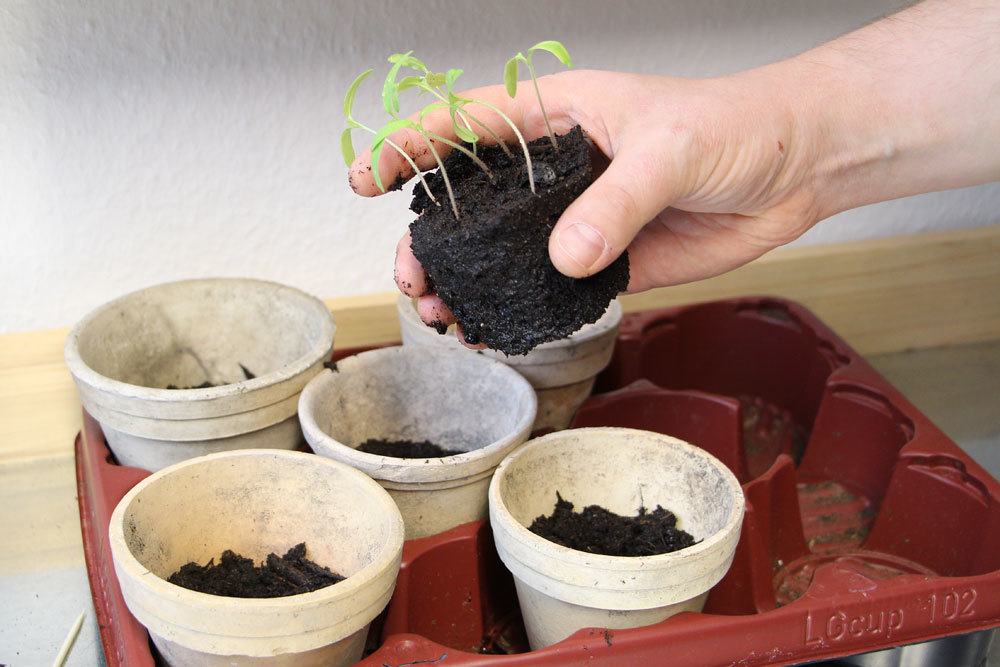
x: 865, y: 528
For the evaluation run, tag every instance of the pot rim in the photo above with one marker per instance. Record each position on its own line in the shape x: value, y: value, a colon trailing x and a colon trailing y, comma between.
x: 460, y: 468
x: 83, y: 372
x: 503, y: 520
x: 161, y: 588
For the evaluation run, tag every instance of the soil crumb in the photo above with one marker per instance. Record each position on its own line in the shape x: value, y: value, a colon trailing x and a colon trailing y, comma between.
x: 237, y: 577
x: 247, y: 375
x: 406, y: 449
x: 599, y: 531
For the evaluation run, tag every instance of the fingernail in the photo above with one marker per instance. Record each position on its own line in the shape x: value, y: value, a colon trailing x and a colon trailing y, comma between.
x: 584, y: 244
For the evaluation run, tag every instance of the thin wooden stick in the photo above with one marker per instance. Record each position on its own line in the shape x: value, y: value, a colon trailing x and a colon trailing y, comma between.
x: 67, y: 645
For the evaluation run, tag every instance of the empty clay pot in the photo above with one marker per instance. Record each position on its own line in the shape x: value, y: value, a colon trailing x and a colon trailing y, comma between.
x: 256, y: 502
x: 562, y: 371
x: 561, y: 590
x: 124, y: 354
x: 458, y: 401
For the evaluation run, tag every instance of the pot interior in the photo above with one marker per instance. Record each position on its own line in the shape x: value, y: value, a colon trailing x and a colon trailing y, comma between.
x: 621, y: 470
x: 453, y: 399
x: 190, y: 332
x: 257, y: 504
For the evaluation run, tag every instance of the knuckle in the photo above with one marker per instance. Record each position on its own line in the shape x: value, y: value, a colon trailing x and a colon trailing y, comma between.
x: 621, y: 201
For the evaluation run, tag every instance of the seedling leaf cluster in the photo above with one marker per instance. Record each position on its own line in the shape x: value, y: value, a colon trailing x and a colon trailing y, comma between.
x: 409, y: 73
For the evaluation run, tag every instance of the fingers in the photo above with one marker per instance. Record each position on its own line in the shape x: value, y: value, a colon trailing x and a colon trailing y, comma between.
x: 434, y: 312
x: 412, y: 281
x: 602, y: 222
x: 392, y: 165
x: 409, y: 274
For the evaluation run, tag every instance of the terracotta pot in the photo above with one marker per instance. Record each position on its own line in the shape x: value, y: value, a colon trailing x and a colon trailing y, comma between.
x: 124, y: 354
x: 458, y: 401
x: 562, y: 590
x: 562, y: 371
x: 256, y: 502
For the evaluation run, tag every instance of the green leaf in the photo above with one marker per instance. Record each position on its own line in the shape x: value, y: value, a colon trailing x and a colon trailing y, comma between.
x: 347, y: 146
x: 510, y: 75
x: 390, y: 89
x: 450, y: 77
x: 408, y: 60
x: 434, y: 79
x: 556, y: 49
x: 408, y: 82
x: 464, y: 133
x: 378, y: 143
x: 352, y: 91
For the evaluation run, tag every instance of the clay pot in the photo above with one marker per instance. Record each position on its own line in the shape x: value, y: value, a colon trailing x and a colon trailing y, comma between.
x: 562, y: 590
x: 458, y: 401
x: 256, y: 502
x: 562, y: 372
x: 124, y: 354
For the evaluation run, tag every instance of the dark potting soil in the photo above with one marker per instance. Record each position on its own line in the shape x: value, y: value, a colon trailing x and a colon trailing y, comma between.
x: 491, y: 266
x: 238, y: 577
x: 406, y: 449
x: 247, y: 375
x: 600, y: 531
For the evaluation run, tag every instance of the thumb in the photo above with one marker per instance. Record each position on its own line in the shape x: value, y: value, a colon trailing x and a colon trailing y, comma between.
x: 600, y: 224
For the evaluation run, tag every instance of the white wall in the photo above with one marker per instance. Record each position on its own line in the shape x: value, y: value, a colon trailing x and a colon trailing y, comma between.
x: 150, y: 141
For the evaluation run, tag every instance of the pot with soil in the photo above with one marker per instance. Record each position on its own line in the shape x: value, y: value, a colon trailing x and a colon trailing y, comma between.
x: 198, y: 366
x: 637, y: 527
x: 380, y: 409
x: 561, y: 371
x: 490, y: 264
x: 328, y: 537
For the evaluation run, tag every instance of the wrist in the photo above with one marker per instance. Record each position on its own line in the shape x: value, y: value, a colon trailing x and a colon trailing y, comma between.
x: 859, y: 146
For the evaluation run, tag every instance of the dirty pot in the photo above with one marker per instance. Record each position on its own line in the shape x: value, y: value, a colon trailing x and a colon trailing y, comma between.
x: 562, y: 590
x: 562, y: 371
x: 458, y: 401
x: 256, y: 502
x: 124, y: 354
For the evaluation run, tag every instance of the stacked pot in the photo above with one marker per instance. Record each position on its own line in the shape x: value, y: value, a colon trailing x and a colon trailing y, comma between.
x: 561, y: 590
x: 257, y: 502
x: 259, y: 341
x: 464, y: 402
x: 562, y: 372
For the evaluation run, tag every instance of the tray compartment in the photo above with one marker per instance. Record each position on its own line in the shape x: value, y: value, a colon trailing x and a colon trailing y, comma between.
x: 755, y: 347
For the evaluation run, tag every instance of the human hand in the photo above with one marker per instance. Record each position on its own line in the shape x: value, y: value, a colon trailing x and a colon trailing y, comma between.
x: 704, y: 176
x: 707, y: 175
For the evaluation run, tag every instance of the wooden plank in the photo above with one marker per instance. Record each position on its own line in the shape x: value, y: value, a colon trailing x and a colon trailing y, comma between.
x: 41, y: 521
x: 882, y: 296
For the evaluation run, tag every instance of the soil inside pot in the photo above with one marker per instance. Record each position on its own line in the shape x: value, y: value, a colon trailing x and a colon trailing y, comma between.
x: 597, y: 530
x: 406, y: 449
x: 238, y: 577
x: 491, y: 266
x: 247, y: 375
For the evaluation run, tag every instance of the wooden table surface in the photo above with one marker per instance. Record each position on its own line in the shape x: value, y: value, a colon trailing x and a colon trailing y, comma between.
x: 883, y: 297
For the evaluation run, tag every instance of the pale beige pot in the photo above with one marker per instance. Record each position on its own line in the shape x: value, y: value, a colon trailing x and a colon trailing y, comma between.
x: 562, y: 590
x: 123, y: 354
x: 256, y: 502
x: 458, y: 401
x: 562, y: 371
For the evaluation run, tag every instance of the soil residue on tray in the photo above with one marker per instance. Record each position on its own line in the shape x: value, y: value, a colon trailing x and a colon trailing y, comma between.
x: 406, y: 449
x: 599, y: 531
x: 238, y: 577
x: 247, y: 375
x: 491, y: 266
